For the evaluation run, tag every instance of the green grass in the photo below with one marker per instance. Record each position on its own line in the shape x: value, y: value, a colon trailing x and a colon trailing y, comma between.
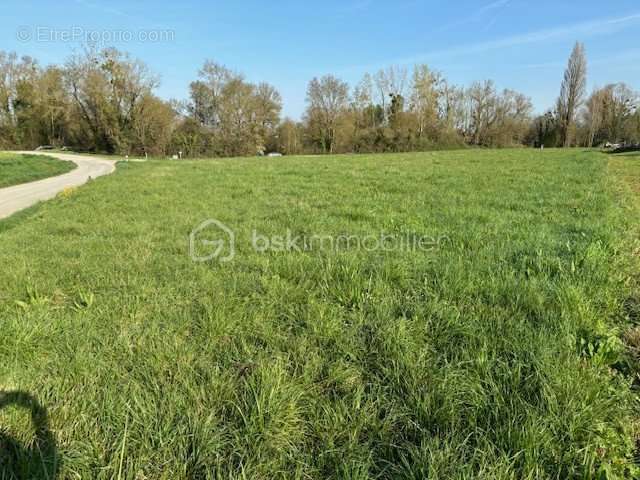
x: 628, y: 154
x: 496, y: 355
x: 16, y: 169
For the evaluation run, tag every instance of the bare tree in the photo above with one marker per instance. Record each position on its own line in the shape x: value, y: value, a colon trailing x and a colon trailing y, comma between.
x: 481, y: 98
x: 363, y: 93
x: 290, y: 137
x: 390, y: 83
x: 621, y: 103
x: 327, y: 99
x: 609, y: 114
x: 452, y: 108
x: 425, y: 98
x: 593, y: 115
x: 206, y: 92
x: 572, y: 93
x: 235, y: 117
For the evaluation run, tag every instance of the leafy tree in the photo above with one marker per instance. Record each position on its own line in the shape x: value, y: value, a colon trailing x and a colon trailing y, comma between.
x: 103, y: 100
x: 107, y: 88
x: 544, y: 131
x: 236, y: 117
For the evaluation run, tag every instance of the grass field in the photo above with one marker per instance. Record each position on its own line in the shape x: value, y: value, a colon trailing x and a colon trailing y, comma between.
x: 496, y: 353
x: 16, y: 169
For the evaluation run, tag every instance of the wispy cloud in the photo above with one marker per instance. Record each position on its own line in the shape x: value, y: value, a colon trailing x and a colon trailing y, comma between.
x: 494, y: 6
x: 544, y: 65
x: 627, y: 58
x: 577, y: 30
x: 606, y: 26
x: 480, y: 15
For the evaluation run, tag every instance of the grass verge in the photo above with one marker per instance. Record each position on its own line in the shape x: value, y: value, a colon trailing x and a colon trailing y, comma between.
x: 16, y: 169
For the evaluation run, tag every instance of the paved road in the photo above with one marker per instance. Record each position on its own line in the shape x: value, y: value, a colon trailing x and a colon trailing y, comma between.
x: 19, y: 197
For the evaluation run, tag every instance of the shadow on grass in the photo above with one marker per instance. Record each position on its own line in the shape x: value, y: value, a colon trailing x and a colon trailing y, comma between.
x: 39, y: 458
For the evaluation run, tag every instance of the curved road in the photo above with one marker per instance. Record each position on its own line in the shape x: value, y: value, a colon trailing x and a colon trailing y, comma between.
x: 19, y: 197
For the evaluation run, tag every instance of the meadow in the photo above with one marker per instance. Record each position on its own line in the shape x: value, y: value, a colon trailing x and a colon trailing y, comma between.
x: 16, y: 169
x: 506, y: 350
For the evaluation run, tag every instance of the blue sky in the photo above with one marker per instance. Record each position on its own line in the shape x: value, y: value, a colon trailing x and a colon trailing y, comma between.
x: 521, y: 44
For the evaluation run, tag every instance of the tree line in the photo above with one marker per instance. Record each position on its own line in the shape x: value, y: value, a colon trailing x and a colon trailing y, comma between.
x: 104, y: 101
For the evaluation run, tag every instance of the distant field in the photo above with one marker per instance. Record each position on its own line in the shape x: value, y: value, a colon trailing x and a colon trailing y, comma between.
x: 495, y: 353
x: 16, y: 169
